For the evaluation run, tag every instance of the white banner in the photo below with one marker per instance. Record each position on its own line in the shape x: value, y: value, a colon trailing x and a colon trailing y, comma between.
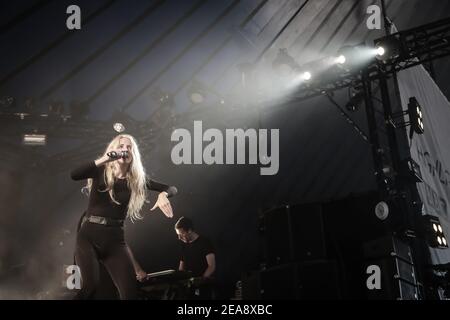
x: 431, y: 150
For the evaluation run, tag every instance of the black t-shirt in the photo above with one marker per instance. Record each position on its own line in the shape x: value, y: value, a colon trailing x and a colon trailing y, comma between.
x: 100, y: 203
x: 194, y: 254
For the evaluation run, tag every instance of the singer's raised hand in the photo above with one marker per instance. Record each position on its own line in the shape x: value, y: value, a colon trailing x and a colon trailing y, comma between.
x: 164, y: 204
x: 107, y: 157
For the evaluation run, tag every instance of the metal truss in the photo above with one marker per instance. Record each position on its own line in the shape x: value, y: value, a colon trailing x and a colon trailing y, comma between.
x: 416, y: 46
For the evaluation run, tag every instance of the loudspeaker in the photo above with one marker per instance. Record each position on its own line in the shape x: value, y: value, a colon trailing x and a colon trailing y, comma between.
x: 293, y: 234
x: 388, y: 246
x: 312, y: 280
x: 319, y: 280
x: 279, y: 282
x: 251, y: 285
x: 397, y: 275
x: 397, y: 280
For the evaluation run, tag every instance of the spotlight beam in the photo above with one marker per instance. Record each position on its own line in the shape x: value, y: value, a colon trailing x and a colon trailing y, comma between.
x: 380, y: 51
x: 341, y: 59
x: 306, y: 76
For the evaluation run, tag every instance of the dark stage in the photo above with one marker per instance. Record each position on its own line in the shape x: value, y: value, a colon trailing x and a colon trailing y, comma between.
x: 232, y: 150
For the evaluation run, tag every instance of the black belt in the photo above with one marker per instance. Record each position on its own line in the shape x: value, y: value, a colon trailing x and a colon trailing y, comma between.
x: 104, y: 221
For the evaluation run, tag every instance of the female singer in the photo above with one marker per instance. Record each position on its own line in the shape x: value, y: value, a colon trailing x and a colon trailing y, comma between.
x: 117, y: 186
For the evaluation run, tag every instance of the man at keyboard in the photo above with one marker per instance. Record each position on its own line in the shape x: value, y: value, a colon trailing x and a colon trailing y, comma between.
x: 197, y: 255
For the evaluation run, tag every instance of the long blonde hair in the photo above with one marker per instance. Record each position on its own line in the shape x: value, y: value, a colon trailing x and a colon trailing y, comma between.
x: 136, y: 178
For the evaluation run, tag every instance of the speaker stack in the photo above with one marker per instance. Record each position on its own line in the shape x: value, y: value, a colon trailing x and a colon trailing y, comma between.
x: 295, y: 257
x: 332, y: 250
x: 394, y: 270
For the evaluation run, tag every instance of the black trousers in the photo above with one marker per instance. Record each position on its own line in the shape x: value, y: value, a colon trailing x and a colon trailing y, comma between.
x: 104, y: 244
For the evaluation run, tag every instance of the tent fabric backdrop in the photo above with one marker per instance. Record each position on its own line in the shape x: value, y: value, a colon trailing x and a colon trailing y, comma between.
x: 431, y: 149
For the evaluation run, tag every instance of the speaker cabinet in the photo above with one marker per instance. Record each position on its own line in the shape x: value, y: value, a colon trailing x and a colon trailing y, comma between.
x: 312, y: 280
x: 293, y: 234
x: 397, y: 272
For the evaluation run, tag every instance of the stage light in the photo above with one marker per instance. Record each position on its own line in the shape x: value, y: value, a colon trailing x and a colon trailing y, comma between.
x: 351, y: 106
x: 410, y: 171
x: 355, y: 101
x: 306, y: 75
x: 196, y: 98
x: 348, y: 55
x: 318, y: 71
x: 341, y: 59
x: 433, y: 232
x: 415, y: 116
x: 380, y: 51
x: 119, y: 127
x: 299, y: 78
x: 21, y: 115
x: 389, y: 48
x: 122, y: 122
x: 196, y: 92
x: 353, y: 58
x: 34, y: 139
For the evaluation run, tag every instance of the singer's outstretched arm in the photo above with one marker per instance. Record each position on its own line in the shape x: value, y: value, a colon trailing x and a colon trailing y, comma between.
x: 89, y: 169
x: 161, y: 187
x: 85, y: 171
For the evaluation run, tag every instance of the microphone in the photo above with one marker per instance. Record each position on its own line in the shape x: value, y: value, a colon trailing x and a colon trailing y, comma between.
x: 117, y: 155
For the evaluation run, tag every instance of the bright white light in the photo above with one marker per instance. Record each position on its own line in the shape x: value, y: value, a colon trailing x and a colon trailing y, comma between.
x: 341, y: 59
x: 380, y: 51
x: 444, y: 241
x: 299, y: 79
x: 439, y: 240
x: 306, y: 75
x: 197, y: 98
x: 34, y: 139
x: 440, y: 228
x: 435, y: 227
x: 119, y: 127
